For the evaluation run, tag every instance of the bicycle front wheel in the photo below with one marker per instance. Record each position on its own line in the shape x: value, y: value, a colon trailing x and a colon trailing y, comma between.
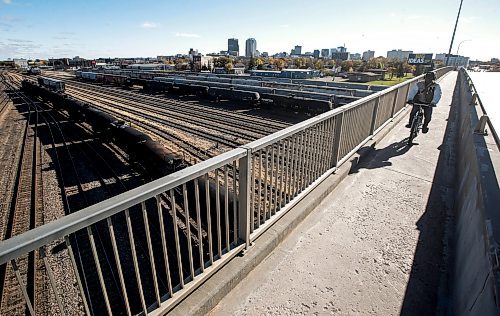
x: 413, y: 130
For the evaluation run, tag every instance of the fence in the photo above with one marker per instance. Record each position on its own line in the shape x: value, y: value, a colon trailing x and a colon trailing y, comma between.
x: 167, y: 236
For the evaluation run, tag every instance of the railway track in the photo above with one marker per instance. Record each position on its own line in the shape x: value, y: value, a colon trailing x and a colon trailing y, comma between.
x: 95, y: 242
x: 23, y: 215
x: 89, y: 245
x: 252, y: 122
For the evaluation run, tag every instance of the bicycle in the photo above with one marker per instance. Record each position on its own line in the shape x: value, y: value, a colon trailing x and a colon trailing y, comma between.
x: 416, y: 122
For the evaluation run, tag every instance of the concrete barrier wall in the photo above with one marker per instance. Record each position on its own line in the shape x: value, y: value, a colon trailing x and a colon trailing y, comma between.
x: 475, y: 279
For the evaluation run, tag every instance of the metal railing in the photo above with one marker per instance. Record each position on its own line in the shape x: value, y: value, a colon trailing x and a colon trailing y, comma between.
x: 476, y: 99
x: 167, y: 236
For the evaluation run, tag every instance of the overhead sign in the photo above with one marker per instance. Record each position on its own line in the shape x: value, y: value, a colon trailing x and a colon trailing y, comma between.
x: 420, y: 59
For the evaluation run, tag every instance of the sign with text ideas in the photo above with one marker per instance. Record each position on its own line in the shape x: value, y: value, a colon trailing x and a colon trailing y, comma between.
x: 420, y: 59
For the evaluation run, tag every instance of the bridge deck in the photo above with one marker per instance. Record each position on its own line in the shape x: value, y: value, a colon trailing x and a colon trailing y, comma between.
x: 377, y: 244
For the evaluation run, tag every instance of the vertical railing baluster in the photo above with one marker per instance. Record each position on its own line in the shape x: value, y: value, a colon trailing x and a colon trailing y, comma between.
x: 295, y: 156
x: 235, y: 210
x: 217, y: 212
x: 99, y: 271
x: 282, y: 174
x: 244, y: 194
x: 77, y: 274
x: 134, y: 258
x: 287, y: 173
x: 176, y: 237
x: 266, y: 169
x: 337, y: 135
x: 209, y: 219
x: 164, y: 245
x: 321, y: 157
x: 22, y: 286
x: 52, y: 281
x: 259, y: 194
x: 150, y: 250
x: 270, y: 184
x: 252, y: 195
x: 311, y: 151
x: 188, y: 226
x: 374, y: 115
x: 198, y: 223
x: 226, y: 204
x: 118, y: 263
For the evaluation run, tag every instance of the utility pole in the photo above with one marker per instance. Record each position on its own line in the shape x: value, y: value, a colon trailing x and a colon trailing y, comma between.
x: 454, y: 30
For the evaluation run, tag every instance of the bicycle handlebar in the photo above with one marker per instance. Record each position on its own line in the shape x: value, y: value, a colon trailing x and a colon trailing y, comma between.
x: 418, y: 103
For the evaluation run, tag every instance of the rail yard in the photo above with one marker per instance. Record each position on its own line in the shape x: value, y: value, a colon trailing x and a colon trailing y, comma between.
x: 70, y: 140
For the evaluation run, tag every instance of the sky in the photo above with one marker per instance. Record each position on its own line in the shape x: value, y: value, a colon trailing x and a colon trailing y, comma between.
x: 147, y: 28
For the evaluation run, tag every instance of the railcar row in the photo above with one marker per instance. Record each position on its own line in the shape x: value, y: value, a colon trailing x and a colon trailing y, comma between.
x: 307, y: 101
x: 156, y: 159
x: 349, y: 88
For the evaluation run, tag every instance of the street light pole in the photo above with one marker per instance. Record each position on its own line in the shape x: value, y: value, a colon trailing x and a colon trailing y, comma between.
x: 458, y: 49
x: 454, y: 30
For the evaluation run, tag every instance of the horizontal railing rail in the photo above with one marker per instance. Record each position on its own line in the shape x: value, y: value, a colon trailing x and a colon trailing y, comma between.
x: 167, y: 236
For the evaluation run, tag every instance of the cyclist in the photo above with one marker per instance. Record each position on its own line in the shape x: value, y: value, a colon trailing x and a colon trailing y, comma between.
x: 428, y: 92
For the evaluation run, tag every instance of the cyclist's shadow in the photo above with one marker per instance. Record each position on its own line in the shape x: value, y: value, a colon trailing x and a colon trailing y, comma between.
x: 379, y: 158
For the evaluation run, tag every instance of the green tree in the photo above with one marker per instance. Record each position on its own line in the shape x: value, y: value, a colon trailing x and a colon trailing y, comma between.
x: 319, y: 64
x: 229, y: 67
x: 251, y: 63
x: 280, y: 63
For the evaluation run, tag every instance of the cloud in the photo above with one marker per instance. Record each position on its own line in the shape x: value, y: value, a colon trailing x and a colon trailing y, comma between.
x: 149, y: 25
x: 7, y: 1
x: 285, y: 26
x: 187, y: 35
x: 414, y: 17
x: 469, y: 19
x: 16, y: 40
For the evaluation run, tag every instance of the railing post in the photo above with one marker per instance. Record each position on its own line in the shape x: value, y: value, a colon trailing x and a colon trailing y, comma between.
x: 374, y: 115
x: 244, y: 198
x: 337, y: 134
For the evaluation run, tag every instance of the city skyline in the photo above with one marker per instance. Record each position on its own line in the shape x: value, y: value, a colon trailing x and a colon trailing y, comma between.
x: 93, y: 29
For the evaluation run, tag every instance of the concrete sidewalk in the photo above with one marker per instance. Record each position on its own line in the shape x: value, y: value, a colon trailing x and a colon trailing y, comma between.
x: 376, y: 245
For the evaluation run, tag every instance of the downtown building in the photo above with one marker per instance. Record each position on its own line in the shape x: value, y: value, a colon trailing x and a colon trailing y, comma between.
x: 453, y: 60
x: 233, y: 48
x: 369, y: 54
x: 297, y: 51
x: 251, y: 48
x: 401, y: 55
x: 325, y: 53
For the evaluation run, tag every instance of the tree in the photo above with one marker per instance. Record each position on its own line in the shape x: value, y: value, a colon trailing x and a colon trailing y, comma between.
x: 319, y: 64
x: 401, y: 70
x: 280, y: 63
x: 229, y: 67
x: 347, y: 65
x: 251, y: 63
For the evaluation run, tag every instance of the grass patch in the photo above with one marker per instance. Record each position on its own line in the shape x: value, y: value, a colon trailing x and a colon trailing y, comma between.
x: 388, y: 82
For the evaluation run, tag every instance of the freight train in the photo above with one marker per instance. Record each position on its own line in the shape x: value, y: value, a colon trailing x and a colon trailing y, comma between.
x: 155, y: 158
x: 240, y: 90
x: 52, y: 84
